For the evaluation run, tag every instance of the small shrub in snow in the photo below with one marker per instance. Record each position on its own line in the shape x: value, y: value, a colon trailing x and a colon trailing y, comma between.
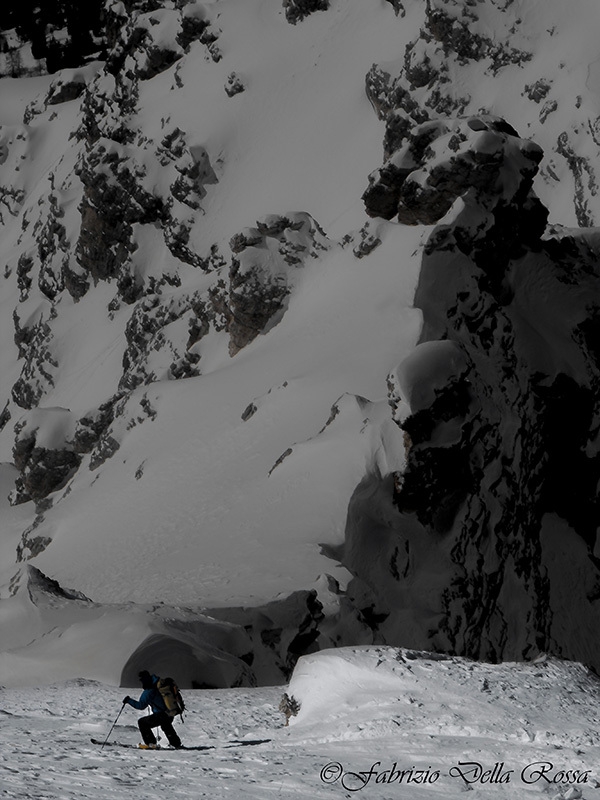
x: 289, y: 706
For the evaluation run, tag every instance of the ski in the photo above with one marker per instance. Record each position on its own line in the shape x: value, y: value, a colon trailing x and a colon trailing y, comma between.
x: 137, y: 747
x: 226, y: 745
x: 113, y: 744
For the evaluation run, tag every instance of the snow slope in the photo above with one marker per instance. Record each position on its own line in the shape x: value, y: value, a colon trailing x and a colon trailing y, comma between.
x: 231, y: 487
x: 199, y: 507
x: 380, y: 722
x: 224, y: 513
x: 206, y: 488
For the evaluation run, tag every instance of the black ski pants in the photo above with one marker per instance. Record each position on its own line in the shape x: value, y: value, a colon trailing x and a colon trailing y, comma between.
x: 160, y: 718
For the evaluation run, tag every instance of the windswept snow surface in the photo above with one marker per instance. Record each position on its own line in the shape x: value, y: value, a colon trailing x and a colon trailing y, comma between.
x: 377, y: 722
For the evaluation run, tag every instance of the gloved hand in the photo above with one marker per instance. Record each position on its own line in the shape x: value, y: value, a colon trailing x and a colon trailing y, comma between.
x: 126, y: 699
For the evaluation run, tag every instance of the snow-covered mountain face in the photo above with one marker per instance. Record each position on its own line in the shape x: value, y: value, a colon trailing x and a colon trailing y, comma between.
x: 299, y: 319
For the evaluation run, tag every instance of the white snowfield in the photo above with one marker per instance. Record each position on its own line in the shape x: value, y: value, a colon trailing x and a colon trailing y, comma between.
x: 374, y: 722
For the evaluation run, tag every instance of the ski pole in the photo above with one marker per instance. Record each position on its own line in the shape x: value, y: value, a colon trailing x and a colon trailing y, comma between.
x: 113, y: 725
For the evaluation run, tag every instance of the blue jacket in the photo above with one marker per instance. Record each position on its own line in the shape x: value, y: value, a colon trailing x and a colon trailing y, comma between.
x: 149, y: 697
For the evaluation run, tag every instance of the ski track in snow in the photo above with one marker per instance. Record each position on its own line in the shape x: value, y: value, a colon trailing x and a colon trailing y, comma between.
x: 423, y: 715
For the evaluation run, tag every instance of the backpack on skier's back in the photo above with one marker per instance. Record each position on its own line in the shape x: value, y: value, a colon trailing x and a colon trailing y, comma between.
x: 169, y: 691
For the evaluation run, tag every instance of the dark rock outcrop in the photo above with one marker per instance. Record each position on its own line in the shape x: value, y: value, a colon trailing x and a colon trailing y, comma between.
x: 441, y: 162
x: 43, y: 454
x: 234, y: 85
x: 499, y: 405
x: 262, y: 270
x: 297, y: 10
x: 45, y: 591
x: 398, y: 6
x: 279, y: 632
x: 65, y: 91
x: 113, y: 201
x: 421, y: 86
x: 33, y: 338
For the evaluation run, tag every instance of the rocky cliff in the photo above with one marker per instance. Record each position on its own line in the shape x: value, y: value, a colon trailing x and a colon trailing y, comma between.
x: 502, y: 424
x: 499, y: 401
x: 300, y: 324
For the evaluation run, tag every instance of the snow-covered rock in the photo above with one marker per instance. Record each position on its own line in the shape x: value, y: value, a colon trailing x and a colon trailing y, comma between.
x: 442, y: 161
x: 377, y: 414
x: 262, y: 271
x: 297, y: 10
x: 503, y: 420
x: 205, y: 648
x: 44, y: 452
